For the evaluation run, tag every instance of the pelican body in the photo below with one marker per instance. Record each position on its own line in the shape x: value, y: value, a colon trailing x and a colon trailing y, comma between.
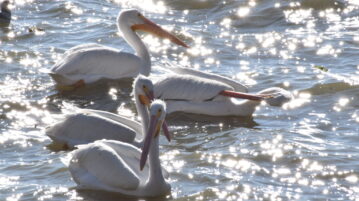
x: 89, y: 63
x: 121, y: 167
x: 90, y: 125
x: 196, y: 92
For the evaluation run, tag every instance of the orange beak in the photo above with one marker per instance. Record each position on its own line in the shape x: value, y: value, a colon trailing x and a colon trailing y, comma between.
x: 153, y: 28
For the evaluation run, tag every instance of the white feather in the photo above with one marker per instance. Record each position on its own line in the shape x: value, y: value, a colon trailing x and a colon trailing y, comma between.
x: 94, y: 62
x: 95, y: 166
x: 237, y: 86
x: 86, y: 127
x: 136, y: 126
x: 227, y: 107
x: 188, y: 87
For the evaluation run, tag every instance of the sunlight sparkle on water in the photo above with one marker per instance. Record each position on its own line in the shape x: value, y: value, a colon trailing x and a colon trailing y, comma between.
x: 246, y: 78
x: 13, y: 89
x: 199, y: 49
x: 8, y: 180
x: 209, y: 60
x: 268, y: 42
x: 48, y: 193
x: 343, y: 101
x: 272, y: 148
x: 240, y: 46
x: 282, y: 171
x: 356, y: 116
x: 285, y: 54
x: 155, y: 44
x: 113, y: 93
x: 93, y: 20
x: 14, y: 197
x: 352, y: 179
x: 354, y: 2
x: 292, y: 46
x: 147, y: 5
x: 328, y: 50
x: 23, y: 2
x: 330, y: 15
x: 301, y: 69
x: 340, y: 104
x: 311, y: 41
x: 169, y: 163
x: 243, y: 11
x: 298, y: 101
x: 123, y: 110
x: 251, y: 50
x: 226, y: 22
x: 27, y: 61
x: 11, y: 34
x: 298, y: 16
x: 241, y: 164
x: 8, y: 60
x: 74, y: 9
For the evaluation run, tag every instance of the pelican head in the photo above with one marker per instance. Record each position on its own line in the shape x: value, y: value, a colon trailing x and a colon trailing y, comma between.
x: 278, y: 96
x: 157, y: 117
x: 143, y: 87
x: 134, y: 19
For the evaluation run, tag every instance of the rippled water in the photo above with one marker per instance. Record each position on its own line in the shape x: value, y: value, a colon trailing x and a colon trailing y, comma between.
x: 307, y: 150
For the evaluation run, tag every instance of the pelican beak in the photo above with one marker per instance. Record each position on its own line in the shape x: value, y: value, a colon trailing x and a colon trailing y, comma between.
x: 255, y: 97
x: 153, y: 28
x: 150, y: 96
x: 166, y: 131
x: 153, y: 131
x: 144, y: 100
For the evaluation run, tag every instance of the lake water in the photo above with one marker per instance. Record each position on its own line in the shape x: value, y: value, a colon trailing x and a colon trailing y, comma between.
x: 306, y: 150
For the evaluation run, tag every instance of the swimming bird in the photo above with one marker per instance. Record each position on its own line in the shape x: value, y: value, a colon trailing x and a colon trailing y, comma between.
x: 195, y: 92
x: 91, y: 62
x: 121, y: 167
x: 5, y: 15
x: 90, y: 125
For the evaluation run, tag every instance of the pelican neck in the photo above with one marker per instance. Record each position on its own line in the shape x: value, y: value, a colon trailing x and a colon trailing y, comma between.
x: 143, y: 114
x: 136, y: 43
x: 155, y: 177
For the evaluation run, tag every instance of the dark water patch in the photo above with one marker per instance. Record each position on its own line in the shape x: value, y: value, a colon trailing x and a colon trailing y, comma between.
x: 102, y: 195
x: 323, y: 4
x: 329, y: 88
x: 193, y: 5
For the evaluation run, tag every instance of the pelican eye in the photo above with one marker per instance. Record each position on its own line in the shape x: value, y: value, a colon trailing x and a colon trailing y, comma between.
x: 159, y: 112
x: 139, y: 14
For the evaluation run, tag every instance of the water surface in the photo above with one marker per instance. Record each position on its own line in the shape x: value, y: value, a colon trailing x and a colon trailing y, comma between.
x: 306, y: 150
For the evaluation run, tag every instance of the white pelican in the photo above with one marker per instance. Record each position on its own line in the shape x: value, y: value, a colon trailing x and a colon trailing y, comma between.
x: 196, y: 92
x: 121, y: 167
x: 91, y: 62
x: 90, y: 125
x: 5, y: 15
